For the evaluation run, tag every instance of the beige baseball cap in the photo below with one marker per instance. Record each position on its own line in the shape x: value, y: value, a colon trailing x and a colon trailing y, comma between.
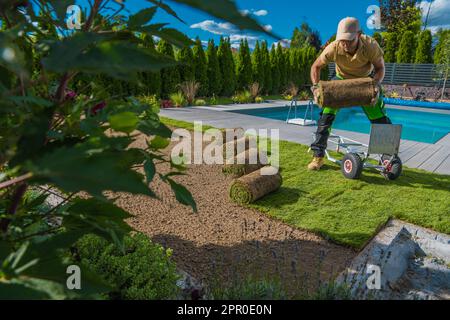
x: 348, y: 29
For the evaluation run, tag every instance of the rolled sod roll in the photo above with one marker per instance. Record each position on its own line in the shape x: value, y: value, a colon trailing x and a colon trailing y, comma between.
x: 254, y: 186
x: 238, y: 169
x: 346, y: 93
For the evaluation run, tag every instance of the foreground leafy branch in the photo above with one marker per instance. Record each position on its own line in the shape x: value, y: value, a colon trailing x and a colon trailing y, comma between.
x: 78, y: 143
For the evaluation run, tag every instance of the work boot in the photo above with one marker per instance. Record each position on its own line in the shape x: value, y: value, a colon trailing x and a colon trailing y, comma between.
x: 316, y: 164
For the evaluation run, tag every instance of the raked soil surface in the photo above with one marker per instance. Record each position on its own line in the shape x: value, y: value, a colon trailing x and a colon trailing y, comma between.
x: 224, y: 241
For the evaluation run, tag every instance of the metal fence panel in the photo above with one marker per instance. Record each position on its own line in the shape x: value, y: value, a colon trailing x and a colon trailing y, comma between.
x: 427, y: 75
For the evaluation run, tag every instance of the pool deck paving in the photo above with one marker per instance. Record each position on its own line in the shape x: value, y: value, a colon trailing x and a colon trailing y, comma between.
x: 426, y: 156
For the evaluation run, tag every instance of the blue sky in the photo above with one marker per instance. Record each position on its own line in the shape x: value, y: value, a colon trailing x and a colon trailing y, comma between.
x: 281, y: 16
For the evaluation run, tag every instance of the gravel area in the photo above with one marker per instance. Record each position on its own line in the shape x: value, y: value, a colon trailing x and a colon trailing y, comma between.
x: 224, y: 241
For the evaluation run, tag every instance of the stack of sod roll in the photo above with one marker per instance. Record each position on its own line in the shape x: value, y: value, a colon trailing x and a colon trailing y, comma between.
x: 253, y: 178
x: 346, y: 93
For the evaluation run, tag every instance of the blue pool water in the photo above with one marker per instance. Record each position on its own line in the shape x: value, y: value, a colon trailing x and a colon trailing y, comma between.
x: 417, y: 125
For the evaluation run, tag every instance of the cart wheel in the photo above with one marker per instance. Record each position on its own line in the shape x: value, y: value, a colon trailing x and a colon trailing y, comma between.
x: 394, y: 170
x: 352, y: 166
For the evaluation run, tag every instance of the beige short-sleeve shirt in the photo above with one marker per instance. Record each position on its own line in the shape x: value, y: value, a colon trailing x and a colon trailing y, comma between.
x: 359, y: 65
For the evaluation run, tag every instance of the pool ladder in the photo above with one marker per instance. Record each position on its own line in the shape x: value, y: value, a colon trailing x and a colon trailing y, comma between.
x: 301, y: 121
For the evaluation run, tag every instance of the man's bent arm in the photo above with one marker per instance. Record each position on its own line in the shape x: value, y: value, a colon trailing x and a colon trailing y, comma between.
x: 315, y: 70
x: 379, y: 71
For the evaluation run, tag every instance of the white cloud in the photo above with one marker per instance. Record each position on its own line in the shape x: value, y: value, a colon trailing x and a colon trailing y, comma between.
x: 215, y: 27
x: 258, y: 13
x: 261, y: 13
x: 285, y: 43
x: 439, y: 16
x: 268, y: 27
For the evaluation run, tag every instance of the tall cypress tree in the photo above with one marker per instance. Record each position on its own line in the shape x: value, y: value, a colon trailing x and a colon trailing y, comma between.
x: 440, y: 54
x: 152, y: 80
x: 282, y: 67
x: 258, y: 65
x: 200, y: 68
x: 267, y: 68
x: 423, y: 54
x: 214, y: 76
x: 275, y: 69
x: 186, y: 68
x: 227, y: 67
x: 390, y: 47
x: 406, y: 51
x: 244, y: 67
x: 288, y: 65
x: 170, y: 77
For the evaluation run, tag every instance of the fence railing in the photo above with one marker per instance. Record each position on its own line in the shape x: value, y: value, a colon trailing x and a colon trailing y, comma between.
x: 426, y: 75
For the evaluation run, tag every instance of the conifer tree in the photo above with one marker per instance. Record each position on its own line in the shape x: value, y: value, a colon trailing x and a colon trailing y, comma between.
x: 214, y: 76
x: 244, y: 67
x: 267, y: 88
x: 423, y: 53
x: 258, y: 65
x: 186, y: 68
x: 390, y: 47
x: 200, y: 68
x: 170, y: 77
x: 275, y: 70
x: 406, y: 51
x: 227, y: 68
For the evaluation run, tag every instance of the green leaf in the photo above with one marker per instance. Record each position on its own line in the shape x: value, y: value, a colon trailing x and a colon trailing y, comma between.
x: 141, y: 18
x: 149, y: 168
x: 26, y: 100
x: 60, y: 9
x: 124, y: 122
x: 172, y: 36
x: 166, y: 8
x: 182, y: 194
x: 158, y: 143
x: 227, y: 10
x: 84, y: 167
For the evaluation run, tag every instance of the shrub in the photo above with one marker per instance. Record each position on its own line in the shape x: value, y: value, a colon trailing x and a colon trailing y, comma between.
x: 166, y: 104
x: 249, y: 289
x: 292, y: 90
x: 178, y: 99
x: 242, y: 97
x: 143, y: 271
x: 259, y: 99
x: 151, y: 100
x: 213, y: 101
x: 190, y: 89
x: 200, y: 102
x: 254, y: 90
x: 304, y: 95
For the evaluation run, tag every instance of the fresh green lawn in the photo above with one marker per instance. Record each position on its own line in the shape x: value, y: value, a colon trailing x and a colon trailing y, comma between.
x: 350, y: 212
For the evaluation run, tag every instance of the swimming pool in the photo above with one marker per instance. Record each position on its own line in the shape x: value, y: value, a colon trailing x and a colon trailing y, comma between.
x: 417, y: 125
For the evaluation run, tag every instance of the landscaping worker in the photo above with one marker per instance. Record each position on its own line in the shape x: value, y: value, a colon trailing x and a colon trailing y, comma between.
x: 356, y: 56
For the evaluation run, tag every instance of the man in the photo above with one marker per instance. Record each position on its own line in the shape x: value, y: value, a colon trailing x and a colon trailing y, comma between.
x: 356, y: 56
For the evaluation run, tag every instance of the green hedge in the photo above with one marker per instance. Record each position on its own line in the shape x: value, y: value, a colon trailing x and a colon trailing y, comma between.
x: 143, y: 271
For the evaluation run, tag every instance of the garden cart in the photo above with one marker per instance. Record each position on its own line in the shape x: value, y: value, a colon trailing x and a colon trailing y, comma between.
x: 383, y: 146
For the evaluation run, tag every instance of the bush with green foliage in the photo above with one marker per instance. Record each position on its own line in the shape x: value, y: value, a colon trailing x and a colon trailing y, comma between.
x: 200, y: 102
x: 48, y: 138
x: 244, y: 66
x: 243, y: 97
x: 178, y: 99
x: 142, y: 271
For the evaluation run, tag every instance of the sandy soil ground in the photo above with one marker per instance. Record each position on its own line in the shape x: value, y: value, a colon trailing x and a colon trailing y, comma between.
x: 225, y: 242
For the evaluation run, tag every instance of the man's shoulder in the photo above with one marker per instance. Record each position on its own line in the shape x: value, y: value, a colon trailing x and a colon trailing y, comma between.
x: 368, y: 40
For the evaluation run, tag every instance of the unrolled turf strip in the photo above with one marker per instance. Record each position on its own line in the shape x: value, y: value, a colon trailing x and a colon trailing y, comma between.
x: 254, y: 186
x: 346, y: 93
